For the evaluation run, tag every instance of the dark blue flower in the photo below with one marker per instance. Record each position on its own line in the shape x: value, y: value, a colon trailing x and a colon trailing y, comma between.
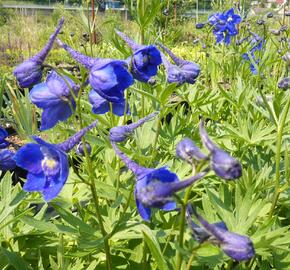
x: 224, y: 25
x: 144, y: 61
x: 199, y: 25
x: 3, y: 135
x: 47, y: 164
x: 80, y: 149
x: 6, y: 160
x: 121, y: 133
x: 183, y: 71
x: 155, y: 187
x: 108, y: 77
x: 238, y: 247
x: 187, y: 151
x: 101, y: 105
x: 29, y: 72
x: 55, y: 98
x: 222, y: 163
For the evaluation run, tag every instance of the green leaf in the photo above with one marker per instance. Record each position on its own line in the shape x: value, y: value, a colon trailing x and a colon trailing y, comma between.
x: 15, y: 260
x: 154, y: 247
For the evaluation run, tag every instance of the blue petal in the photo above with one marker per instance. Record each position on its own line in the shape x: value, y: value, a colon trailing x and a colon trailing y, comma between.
x: 6, y: 160
x: 29, y: 157
x: 169, y: 206
x: 34, y: 182
x: 145, y: 212
x: 54, y: 188
x: 164, y: 175
x: 51, y: 115
x: 42, y: 97
x: 100, y: 105
x: 3, y: 133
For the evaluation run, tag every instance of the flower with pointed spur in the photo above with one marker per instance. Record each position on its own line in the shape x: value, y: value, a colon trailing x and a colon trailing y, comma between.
x: 188, y: 151
x: 29, y: 72
x: 121, y: 133
x: 108, y: 77
x: 6, y: 160
x: 155, y: 187
x: 3, y: 135
x: 222, y: 163
x: 183, y: 71
x: 238, y: 247
x: 144, y: 61
x: 47, y: 164
x: 55, y: 97
x: 224, y: 25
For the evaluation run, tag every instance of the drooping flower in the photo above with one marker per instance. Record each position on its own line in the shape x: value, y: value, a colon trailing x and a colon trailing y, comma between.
x: 155, y: 187
x: 101, y: 105
x: 47, y: 164
x: 121, y: 133
x: 55, y: 97
x: 108, y: 77
x: 182, y: 71
x: 144, y: 61
x: 222, y: 163
x: 6, y: 160
x: 3, y: 135
x: 238, y: 247
x: 224, y: 25
x: 188, y: 151
x: 29, y: 72
x: 199, y: 233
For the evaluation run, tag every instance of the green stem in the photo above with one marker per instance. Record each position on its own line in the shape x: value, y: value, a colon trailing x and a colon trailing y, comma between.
x: 94, y: 190
x: 156, y: 136
x: 278, y: 157
x: 60, y: 252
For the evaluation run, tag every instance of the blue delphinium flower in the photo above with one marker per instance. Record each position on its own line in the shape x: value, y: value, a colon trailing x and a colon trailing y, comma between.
x: 222, y: 163
x: 3, y: 135
x: 55, y: 98
x: 182, y: 71
x: 121, y: 133
x: 47, y: 164
x: 101, y: 105
x: 144, y: 61
x: 155, y: 187
x: 29, y: 72
x: 108, y: 77
x: 284, y: 83
x: 6, y: 160
x: 224, y: 25
x: 238, y: 247
x: 187, y: 150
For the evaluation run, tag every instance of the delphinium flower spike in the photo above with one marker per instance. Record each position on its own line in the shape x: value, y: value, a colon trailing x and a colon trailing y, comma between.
x: 222, y: 163
x: 187, y: 150
x: 189, y: 70
x: 120, y: 133
x: 144, y: 61
x: 238, y: 247
x: 108, y: 77
x: 29, y: 72
x: 56, y: 98
x: 47, y: 164
x: 155, y: 187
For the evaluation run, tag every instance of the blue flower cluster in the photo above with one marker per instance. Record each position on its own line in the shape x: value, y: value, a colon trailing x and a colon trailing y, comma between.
x: 224, y: 25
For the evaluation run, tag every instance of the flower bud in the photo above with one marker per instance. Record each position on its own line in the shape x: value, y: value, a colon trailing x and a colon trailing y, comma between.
x: 187, y: 151
x: 199, y: 25
x: 121, y: 133
x: 260, y: 22
x: 222, y: 163
x: 81, y: 149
